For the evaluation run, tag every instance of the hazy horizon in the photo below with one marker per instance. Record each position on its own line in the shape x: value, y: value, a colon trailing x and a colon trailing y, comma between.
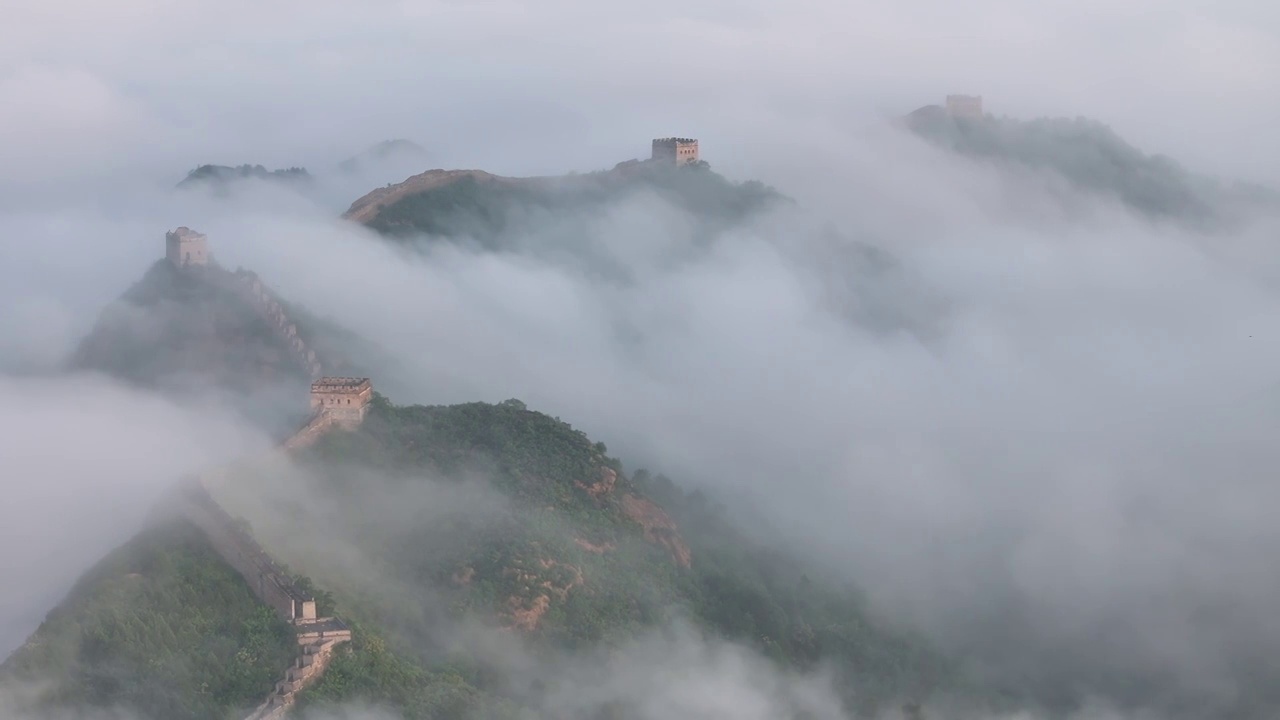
x: 1041, y: 433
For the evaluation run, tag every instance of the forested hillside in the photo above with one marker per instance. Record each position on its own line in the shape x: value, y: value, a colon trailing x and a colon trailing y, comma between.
x: 498, y: 212
x: 161, y: 627
x: 1092, y: 157
x: 218, y: 177
x: 570, y: 554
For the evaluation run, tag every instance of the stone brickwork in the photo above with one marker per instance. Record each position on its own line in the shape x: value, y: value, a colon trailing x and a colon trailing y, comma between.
x: 252, y: 290
x: 317, y: 636
x: 680, y: 151
x: 185, y: 247
x: 346, y: 399
x: 335, y: 402
x: 237, y: 547
x: 188, y: 249
x: 310, y: 665
x: 319, y: 424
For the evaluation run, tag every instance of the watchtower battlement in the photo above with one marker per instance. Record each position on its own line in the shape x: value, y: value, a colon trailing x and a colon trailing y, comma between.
x: 184, y: 247
x: 679, y: 151
x: 345, y: 399
x: 969, y: 106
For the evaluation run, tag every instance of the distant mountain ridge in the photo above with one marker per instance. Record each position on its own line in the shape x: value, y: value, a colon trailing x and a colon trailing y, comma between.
x: 497, y: 211
x: 568, y: 553
x: 221, y: 175
x: 1093, y: 158
x: 399, y: 156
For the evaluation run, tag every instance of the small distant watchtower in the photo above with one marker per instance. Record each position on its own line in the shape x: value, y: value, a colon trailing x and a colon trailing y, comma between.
x: 969, y: 106
x: 346, y: 399
x: 678, y: 151
x: 185, y: 246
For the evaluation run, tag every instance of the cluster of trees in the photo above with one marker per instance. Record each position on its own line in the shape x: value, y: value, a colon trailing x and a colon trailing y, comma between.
x: 496, y: 213
x: 217, y: 174
x: 162, y: 627
x: 737, y: 588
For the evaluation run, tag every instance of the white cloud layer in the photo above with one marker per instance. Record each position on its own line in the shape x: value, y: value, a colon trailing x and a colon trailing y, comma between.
x: 1046, y: 437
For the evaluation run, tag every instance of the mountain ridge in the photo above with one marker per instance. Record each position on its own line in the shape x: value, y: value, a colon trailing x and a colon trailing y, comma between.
x: 1094, y: 158
x: 583, y: 554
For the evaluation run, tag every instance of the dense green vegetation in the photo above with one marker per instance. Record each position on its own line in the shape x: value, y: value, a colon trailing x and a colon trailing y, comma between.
x: 218, y: 175
x: 734, y: 587
x: 1094, y: 158
x: 161, y: 628
x: 497, y: 213
x: 553, y: 555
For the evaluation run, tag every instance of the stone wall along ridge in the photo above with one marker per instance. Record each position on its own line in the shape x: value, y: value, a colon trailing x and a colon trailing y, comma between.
x: 231, y: 539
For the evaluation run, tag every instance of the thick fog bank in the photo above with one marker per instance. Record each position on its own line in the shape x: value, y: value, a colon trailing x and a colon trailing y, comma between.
x: 85, y: 459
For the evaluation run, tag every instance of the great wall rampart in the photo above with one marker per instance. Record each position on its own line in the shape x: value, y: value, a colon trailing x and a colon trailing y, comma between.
x: 188, y: 251
x: 335, y: 402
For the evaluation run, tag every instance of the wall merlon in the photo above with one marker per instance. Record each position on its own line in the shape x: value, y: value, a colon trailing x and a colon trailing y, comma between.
x: 677, y: 150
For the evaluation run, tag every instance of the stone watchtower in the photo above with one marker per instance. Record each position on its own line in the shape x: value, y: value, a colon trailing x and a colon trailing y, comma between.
x: 345, y: 399
x: 678, y: 151
x: 969, y: 106
x: 185, y: 246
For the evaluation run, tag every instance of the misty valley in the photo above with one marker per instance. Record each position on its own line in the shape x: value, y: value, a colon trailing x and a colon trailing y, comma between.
x: 945, y: 413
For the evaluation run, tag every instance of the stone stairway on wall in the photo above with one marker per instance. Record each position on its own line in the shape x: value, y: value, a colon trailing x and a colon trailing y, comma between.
x: 317, y: 636
x: 249, y: 287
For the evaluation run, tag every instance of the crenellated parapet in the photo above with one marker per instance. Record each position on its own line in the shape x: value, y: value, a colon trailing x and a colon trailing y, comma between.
x: 677, y: 150
x: 189, y: 251
x: 185, y: 247
x: 335, y: 402
x: 345, y: 399
x: 252, y: 290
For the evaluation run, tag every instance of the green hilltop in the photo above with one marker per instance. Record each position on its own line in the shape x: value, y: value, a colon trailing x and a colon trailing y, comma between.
x: 501, y: 212
x: 578, y: 555
x: 161, y: 627
x: 427, y: 520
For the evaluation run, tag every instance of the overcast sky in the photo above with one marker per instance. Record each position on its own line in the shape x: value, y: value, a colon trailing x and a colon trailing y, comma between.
x: 555, y: 85
x: 1074, y: 417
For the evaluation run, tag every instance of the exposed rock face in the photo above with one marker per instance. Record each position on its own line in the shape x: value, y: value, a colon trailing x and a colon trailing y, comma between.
x: 526, y: 613
x: 659, y: 528
x: 592, y: 547
x: 603, y: 486
x: 527, y: 616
